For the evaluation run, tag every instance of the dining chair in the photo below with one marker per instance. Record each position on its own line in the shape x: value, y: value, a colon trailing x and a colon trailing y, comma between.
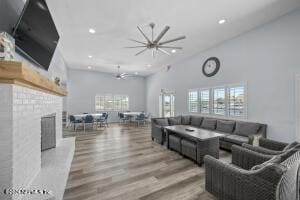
x: 75, y: 121
x: 103, y: 120
x: 123, y: 118
x: 89, y: 119
x: 140, y: 118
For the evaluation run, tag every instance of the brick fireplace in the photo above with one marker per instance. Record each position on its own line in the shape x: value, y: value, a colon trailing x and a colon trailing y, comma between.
x: 26, y: 97
x: 21, y: 112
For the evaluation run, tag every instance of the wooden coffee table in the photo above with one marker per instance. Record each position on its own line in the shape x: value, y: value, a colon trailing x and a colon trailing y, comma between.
x: 207, y: 142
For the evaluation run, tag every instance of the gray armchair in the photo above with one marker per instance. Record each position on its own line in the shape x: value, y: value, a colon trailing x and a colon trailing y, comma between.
x: 273, y: 181
x: 271, y: 147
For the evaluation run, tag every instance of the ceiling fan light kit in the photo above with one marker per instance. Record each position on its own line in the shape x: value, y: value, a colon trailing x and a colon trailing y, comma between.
x: 155, y: 44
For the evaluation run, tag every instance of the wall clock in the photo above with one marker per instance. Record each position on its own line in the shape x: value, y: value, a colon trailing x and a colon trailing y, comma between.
x: 211, y: 66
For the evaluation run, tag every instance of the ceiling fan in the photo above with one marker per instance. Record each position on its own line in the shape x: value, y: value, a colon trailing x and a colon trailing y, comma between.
x: 122, y: 75
x: 155, y: 44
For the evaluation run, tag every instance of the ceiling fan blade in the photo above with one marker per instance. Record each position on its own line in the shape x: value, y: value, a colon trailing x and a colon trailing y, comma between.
x: 135, y: 47
x: 144, y: 34
x: 163, y: 51
x: 153, y: 53
x: 141, y: 51
x: 152, y: 32
x: 138, y: 41
x: 168, y: 47
x: 123, y: 74
x: 173, y: 40
x: 161, y: 34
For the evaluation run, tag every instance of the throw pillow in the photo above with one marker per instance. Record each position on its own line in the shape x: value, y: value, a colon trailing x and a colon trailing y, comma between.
x: 174, y: 121
x: 196, y: 121
x: 246, y: 128
x: 162, y: 122
x: 186, y: 120
x: 208, y: 123
x: 225, y: 126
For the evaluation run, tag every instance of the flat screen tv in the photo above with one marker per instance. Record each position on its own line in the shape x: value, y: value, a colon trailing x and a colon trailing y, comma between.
x: 35, y: 33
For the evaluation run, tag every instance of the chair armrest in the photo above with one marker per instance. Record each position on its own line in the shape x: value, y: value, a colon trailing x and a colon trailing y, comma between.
x: 272, y: 144
x: 261, y: 149
x: 246, y: 159
x: 157, y: 132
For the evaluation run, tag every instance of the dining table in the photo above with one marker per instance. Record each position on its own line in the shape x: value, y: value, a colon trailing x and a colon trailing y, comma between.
x: 132, y: 113
x: 82, y: 116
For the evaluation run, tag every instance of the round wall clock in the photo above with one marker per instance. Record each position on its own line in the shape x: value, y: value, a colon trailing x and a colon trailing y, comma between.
x: 211, y: 66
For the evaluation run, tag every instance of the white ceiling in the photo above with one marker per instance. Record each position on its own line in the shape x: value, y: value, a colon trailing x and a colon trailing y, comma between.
x: 115, y: 22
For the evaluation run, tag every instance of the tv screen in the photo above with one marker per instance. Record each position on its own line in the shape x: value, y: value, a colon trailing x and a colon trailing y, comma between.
x: 35, y: 33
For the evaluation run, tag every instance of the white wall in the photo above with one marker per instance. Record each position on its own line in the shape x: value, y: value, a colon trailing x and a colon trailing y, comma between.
x: 266, y: 58
x: 84, y: 85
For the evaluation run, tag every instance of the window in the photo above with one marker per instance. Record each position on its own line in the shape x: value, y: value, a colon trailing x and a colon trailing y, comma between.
x: 219, y: 101
x: 236, y: 101
x: 112, y: 102
x: 193, y: 101
x: 228, y: 101
x: 204, y: 101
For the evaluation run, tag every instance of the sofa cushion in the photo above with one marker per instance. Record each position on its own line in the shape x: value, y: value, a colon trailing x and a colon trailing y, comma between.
x: 196, y: 121
x: 174, y: 121
x: 275, y: 159
x: 225, y: 126
x: 246, y: 128
x: 236, y: 139
x: 291, y: 145
x: 209, y: 123
x: 186, y: 120
x: 162, y: 122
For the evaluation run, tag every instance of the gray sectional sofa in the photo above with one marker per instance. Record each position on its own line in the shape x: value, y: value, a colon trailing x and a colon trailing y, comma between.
x: 236, y: 132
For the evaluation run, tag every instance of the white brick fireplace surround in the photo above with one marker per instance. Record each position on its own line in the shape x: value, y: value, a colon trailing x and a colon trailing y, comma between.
x: 21, y: 109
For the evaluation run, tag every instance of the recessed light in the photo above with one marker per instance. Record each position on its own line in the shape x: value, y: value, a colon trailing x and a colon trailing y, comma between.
x: 173, y: 51
x: 222, y: 21
x: 136, y: 73
x: 149, y: 65
x: 90, y: 56
x: 89, y: 67
x: 91, y: 30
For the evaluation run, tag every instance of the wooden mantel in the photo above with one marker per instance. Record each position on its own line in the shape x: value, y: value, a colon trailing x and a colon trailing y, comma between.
x: 18, y: 73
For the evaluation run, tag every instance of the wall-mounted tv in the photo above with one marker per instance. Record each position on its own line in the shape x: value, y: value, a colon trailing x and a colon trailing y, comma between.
x: 35, y: 33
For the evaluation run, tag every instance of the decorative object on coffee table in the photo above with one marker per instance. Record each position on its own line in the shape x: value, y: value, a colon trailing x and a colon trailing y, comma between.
x: 7, y: 46
x: 211, y: 67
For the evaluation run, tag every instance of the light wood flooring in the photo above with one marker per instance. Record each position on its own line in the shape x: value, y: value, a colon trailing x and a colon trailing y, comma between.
x: 121, y: 162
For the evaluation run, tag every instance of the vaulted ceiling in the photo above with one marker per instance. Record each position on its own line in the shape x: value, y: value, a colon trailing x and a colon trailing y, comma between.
x: 115, y: 21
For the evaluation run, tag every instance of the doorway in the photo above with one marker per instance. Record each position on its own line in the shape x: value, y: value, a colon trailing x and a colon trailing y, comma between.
x: 167, y: 104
